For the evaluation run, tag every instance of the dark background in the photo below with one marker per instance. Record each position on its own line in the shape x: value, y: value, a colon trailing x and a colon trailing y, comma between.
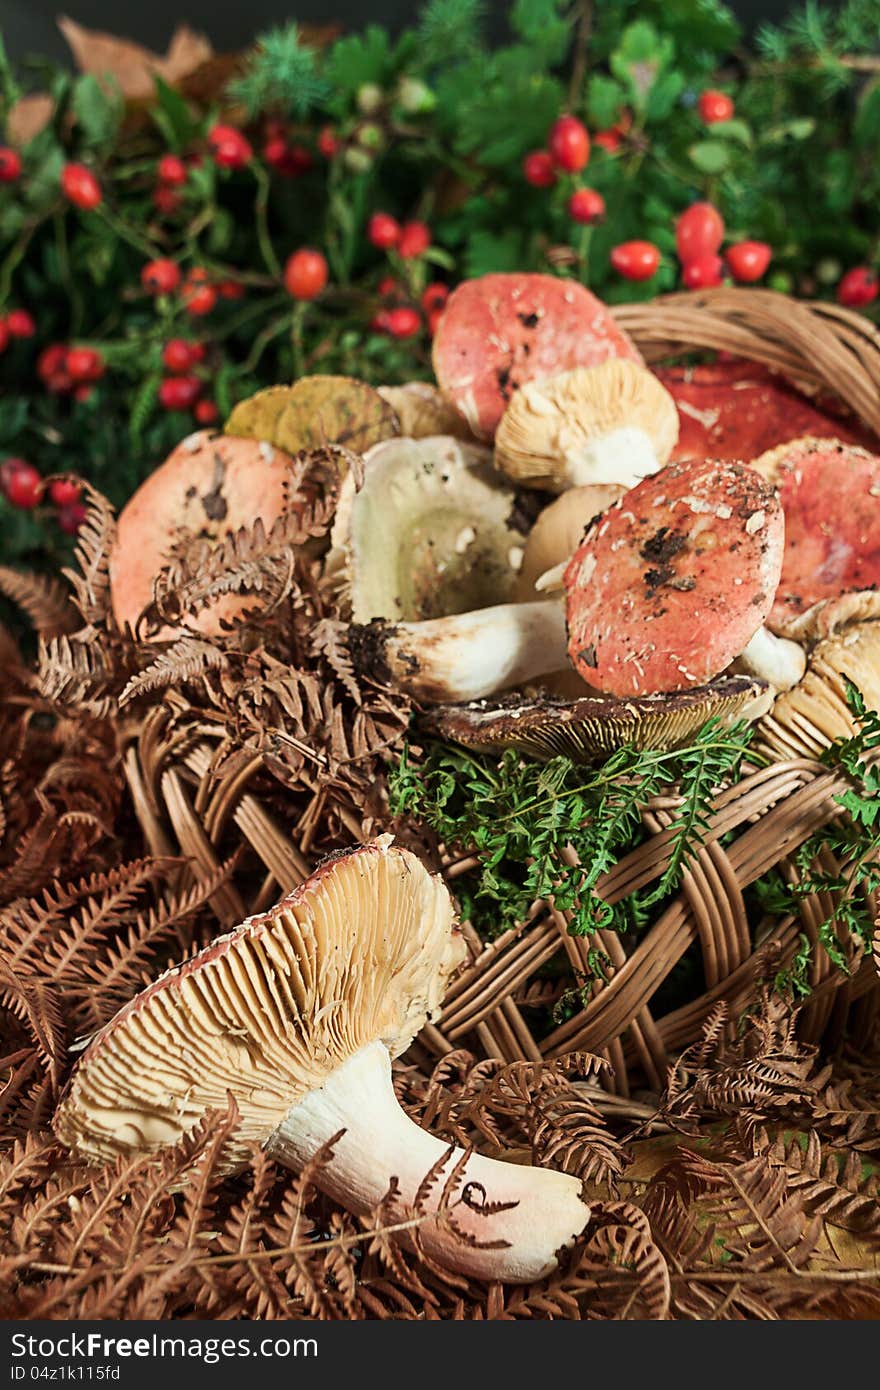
x: 29, y: 25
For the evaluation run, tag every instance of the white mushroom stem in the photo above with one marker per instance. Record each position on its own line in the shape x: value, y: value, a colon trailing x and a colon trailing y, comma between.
x: 469, y: 655
x: 623, y: 456
x: 776, y: 660
x: 541, y: 1210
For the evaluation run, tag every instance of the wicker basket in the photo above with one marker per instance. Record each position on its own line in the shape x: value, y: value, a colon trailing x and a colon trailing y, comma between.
x: 758, y: 824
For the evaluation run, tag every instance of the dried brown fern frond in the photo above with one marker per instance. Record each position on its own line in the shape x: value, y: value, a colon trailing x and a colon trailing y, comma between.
x: 187, y: 659
x: 760, y: 1071
x: 77, y: 671
x: 44, y: 599
x: 90, y: 580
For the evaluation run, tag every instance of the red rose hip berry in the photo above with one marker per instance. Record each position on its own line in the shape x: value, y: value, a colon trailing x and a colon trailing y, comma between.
x: 10, y: 164
x: 229, y: 148
x: 539, y: 169
x: 703, y: 273
x: 698, y: 232
x: 20, y: 323
x: 858, y: 287
x: 715, y: 107
x: 415, y: 238
x: 403, y: 322
x: 206, y: 412
x: 161, y: 277
x: 64, y: 491
x: 178, y: 356
x: 569, y: 144
x: 383, y: 231
x: 305, y: 274
x: 748, y: 260
x: 179, y: 392
x: 635, y: 260
x: 84, y: 364
x: 22, y: 486
x: 434, y: 297
x: 586, y: 205
x: 80, y: 187
x: 71, y: 517
x: 172, y: 171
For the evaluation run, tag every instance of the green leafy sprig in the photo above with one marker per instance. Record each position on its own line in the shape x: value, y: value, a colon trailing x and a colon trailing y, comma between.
x: 521, y: 819
x: 852, y: 841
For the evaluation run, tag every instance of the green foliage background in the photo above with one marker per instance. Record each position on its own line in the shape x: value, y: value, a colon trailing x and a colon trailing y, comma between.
x: 431, y: 125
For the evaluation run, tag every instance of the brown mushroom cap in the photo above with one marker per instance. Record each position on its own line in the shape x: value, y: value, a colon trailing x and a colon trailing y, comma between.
x: 358, y: 953
x: 808, y: 719
x: 422, y: 411
x: 668, y: 586
x: 557, y: 530
x: 587, y: 728
x: 612, y: 423
x: 334, y: 410
x: 830, y: 494
x: 209, y: 486
x: 257, y: 417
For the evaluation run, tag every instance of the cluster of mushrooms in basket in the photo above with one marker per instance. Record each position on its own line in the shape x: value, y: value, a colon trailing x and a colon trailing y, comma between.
x: 557, y: 550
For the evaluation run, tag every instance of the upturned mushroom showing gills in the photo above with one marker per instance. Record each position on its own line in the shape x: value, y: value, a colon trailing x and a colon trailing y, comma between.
x: 500, y: 331
x: 586, y: 728
x: 612, y: 423
x: 671, y: 583
x: 830, y: 494
x: 209, y: 486
x: 297, y: 1014
x: 431, y: 530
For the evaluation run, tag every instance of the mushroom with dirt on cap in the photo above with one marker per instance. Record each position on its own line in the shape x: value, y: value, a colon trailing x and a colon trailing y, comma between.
x: 667, y: 588
x: 612, y: 423
x: 297, y: 1014
x: 208, y: 487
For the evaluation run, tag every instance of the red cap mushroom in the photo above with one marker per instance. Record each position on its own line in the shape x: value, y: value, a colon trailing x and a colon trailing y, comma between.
x: 736, y: 410
x: 209, y: 486
x: 830, y: 494
x: 297, y: 1013
x: 500, y: 331
x: 670, y: 584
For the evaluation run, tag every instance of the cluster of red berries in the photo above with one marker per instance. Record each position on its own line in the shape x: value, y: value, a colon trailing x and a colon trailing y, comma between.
x: 699, y: 233
x: 229, y: 147
x: 172, y: 173
x: 567, y: 152
x: 24, y: 488
x: 858, y: 287
x: 198, y: 292
x: 410, y: 240
x: 405, y: 320
x: 182, y: 389
x: 289, y: 160
x: 66, y: 370
x: 18, y: 323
